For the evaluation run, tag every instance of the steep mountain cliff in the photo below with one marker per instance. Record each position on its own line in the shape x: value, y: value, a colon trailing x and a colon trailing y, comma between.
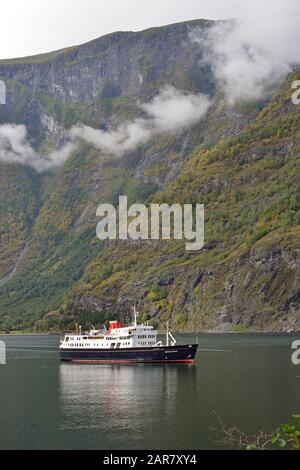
x: 241, y: 161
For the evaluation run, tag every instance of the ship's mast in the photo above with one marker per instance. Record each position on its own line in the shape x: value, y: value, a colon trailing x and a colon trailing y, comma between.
x: 135, y: 313
x: 169, y: 337
x: 167, y: 342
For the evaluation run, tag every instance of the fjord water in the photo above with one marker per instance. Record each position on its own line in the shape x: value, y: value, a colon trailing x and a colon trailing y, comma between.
x: 248, y: 379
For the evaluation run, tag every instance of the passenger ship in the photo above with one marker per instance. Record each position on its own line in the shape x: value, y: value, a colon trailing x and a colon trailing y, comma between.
x: 121, y: 344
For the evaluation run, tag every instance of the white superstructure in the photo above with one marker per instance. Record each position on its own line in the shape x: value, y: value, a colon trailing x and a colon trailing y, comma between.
x: 117, y: 337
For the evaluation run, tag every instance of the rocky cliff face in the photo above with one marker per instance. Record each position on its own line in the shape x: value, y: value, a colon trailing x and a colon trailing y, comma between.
x: 241, y: 161
x: 121, y: 65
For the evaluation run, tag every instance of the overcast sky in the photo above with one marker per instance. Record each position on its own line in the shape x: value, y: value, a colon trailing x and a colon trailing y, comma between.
x: 33, y: 26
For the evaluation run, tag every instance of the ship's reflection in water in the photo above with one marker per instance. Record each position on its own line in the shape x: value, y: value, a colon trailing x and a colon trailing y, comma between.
x: 127, y: 406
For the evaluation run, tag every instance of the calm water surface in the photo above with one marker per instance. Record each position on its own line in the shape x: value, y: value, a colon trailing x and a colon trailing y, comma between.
x: 248, y: 379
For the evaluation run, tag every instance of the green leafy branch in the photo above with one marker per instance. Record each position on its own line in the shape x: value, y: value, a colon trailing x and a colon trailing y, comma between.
x: 286, y: 436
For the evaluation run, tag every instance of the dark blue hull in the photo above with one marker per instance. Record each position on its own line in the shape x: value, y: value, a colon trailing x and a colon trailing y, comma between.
x: 172, y: 354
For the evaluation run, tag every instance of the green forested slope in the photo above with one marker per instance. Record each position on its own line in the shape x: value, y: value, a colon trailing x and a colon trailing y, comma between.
x: 242, y: 163
x: 248, y: 274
